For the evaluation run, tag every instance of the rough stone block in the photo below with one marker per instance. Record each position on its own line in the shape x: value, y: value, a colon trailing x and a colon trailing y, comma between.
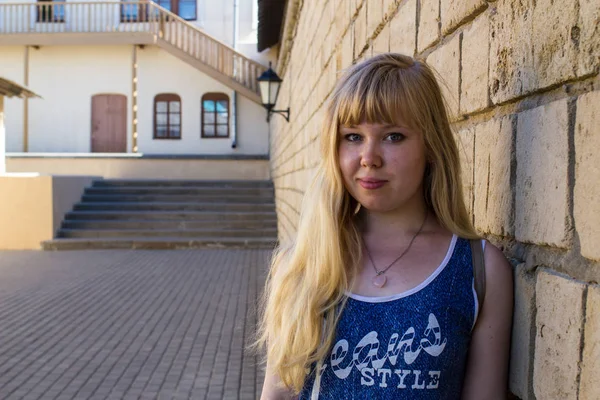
x: 558, y: 344
x: 429, y: 19
x: 360, y: 31
x: 588, y: 37
x: 474, y: 94
x: 587, y: 174
x: 542, y: 167
x: 492, y: 191
x: 346, y: 55
x: 555, y: 53
x: 590, y: 378
x: 374, y: 15
x: 523, y: 334
x: 511, y: 50
x: 403, y: 29
x: 567, y: 44
x: 381, y: 44
x: 454, y: 12
x: 465, y: 141
x: 389, y: 6
x: 445, y: 60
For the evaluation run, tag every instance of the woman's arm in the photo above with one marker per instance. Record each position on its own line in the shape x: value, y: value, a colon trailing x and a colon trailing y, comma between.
x: 487, y: 366
x: 273, y: 390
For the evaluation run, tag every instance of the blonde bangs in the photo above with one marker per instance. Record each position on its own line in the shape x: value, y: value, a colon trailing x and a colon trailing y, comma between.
x: 380, y: 96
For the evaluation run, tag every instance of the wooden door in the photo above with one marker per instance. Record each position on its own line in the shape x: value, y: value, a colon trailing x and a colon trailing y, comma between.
x: 109, y: 123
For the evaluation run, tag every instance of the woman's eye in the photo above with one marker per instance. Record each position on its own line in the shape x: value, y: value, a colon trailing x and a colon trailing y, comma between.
x: 395, y: 137
x: 352, y: 137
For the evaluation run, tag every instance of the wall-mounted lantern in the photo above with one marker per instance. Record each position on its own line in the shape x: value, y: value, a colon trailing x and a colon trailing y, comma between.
x: 269, y: 84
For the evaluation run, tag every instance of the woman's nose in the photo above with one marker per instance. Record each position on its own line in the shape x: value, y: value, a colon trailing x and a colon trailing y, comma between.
x: 371, y: 156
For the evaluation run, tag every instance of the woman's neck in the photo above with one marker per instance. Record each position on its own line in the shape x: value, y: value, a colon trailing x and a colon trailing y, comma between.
x: 406, y: 222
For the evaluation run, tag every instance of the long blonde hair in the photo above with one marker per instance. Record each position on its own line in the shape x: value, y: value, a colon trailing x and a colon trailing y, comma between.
x: 308, y: 279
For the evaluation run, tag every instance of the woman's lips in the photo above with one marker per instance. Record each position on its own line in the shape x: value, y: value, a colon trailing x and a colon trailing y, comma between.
x: 371, y: 183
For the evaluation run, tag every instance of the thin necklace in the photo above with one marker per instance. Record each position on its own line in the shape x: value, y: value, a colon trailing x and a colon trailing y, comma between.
x: 379, y: 280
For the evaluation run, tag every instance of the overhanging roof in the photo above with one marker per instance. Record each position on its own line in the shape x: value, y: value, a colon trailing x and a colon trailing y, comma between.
x: 11, y: 89
x: 270, y: 18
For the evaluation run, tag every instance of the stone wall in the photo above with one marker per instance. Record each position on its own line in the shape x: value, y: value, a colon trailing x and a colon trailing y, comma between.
x: 521, y: 77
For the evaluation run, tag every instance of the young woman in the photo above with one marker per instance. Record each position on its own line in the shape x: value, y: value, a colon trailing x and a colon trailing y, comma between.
x: 375, y: 297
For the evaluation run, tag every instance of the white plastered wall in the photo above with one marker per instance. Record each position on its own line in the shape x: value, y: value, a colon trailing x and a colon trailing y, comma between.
x: 12, y: 67
x: 160, y: 72
x: 67, y: 77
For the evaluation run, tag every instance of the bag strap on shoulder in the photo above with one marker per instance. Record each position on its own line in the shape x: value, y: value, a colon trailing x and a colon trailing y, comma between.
x: 478, y: 270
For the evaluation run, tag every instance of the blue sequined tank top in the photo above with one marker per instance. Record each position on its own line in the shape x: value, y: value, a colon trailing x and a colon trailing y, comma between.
x: 412, y: 345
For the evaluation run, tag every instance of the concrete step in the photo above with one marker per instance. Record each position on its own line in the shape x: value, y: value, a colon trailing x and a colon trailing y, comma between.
x: 182, y: 198
x: 185, y: 183
x: 159, y: 243
x: 180, y: 190
x: 169, y: 225
x: 190, y: 233
x: 173, y: 206
x: 177, y: 215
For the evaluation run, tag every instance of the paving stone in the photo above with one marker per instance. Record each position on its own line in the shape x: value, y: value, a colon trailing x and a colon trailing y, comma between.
x: 559, y: 324
x: 126, y: 323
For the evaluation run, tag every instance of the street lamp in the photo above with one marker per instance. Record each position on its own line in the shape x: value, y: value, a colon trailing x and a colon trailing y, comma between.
x: 269, y: 84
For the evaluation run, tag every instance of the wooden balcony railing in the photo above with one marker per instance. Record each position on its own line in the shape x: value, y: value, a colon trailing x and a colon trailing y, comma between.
x: 110, y: 17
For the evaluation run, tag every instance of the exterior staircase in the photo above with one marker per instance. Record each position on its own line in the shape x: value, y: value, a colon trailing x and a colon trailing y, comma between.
x: 144, y: 214
x: 128, y: 22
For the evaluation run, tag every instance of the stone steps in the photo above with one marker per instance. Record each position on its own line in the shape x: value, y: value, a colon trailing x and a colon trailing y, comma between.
x: 154, y: 214
x: 162, y: 243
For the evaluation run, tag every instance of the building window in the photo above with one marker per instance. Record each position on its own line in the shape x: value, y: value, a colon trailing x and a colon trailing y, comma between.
x: 167, y: 116
x: 186, y: 9
x: 48, y: 12
x: 215, y: 115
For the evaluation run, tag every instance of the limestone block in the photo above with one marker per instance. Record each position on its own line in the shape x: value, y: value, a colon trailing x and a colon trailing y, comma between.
x: 511, y: 50
x: 360, y: 31
x: 453, y: 12
x: 465, y: 141
x: 374, y: 15
x: 492, y: 191
x: 342, y: 18
x: 559, y: 321
x: 428, y: 24
x: 587, y: 174
x: 475, y: 66
x: 389, y: 6
x: 403, y: 29
x: 542, y: 168
x: 445, y: 60
x: 523, y: 334
x: 590, y: 378
x: 381, y: 44
x: 555, y: 53
x: 567, y: 44
x: 588, y: 37
x: 346, y: 56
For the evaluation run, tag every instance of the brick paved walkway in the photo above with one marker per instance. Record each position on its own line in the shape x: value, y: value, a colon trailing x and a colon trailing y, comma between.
x: 129, y: 324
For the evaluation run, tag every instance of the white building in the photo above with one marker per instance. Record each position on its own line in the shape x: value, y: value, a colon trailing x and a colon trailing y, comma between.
x: 133, y: 78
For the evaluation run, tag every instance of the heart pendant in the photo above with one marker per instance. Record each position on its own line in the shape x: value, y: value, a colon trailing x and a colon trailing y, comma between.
x: 379, y: 281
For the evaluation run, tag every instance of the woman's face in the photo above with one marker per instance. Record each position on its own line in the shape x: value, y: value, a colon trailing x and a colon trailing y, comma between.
x: 382, y: 165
